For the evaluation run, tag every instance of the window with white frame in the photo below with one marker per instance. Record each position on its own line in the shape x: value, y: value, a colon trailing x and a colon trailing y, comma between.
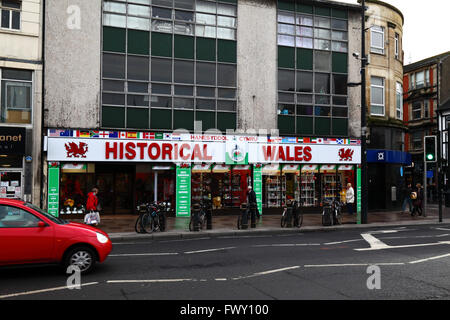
x: 411, y: 81
x: 416, y: 110
x: 16, y: 95
x: 416, y: 140
x: 377, y: 96
x: 377, y: 39
x: 420, y: 79
x: 399, y: 100
x: 10, y: 14
x: 427, y: 77
x: 397, y: 46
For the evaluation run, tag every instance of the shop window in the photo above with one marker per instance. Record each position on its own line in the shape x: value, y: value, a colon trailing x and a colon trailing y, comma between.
x: 138, y: 42
x: 206, y: 49
x: 137, y: 118
x: 16, y: 96
x: 113, y: 117
x: 114, y: 39
x: 161, y: 119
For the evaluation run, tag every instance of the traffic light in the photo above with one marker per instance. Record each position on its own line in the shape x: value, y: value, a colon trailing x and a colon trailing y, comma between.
x: 430, y: 149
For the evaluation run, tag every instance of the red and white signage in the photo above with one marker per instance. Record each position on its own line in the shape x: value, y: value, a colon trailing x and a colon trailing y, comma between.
x: 135, y: 150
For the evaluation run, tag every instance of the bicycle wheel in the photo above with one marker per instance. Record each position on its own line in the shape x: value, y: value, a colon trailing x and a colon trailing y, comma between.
x: 283, y: 222
x: 138, y: 225
x: 148, y: 223
x: 239, y: 223
x: 338, y: 219
x: 162, y: 222
x: 191, y: 224
x: 300, y: 220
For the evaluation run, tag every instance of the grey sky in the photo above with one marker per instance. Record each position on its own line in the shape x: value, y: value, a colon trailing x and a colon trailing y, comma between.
x: 426, y: 31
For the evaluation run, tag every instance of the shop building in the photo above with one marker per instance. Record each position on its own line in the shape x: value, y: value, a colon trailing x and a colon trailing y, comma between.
x: 20, y: 99
x: 141, y: 70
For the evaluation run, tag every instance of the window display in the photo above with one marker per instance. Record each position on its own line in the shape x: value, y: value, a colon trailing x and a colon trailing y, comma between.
x: 272, y: 184
x: 308, y: 192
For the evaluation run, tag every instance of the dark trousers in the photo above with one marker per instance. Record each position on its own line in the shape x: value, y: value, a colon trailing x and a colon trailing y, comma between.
x: 350, y: 208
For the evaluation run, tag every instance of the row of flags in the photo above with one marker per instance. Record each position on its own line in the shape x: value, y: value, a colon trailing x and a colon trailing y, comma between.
x: 103, y: 134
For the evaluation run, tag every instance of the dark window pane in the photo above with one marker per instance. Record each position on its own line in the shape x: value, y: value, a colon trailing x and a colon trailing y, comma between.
x: 340, y: 84
x: 226, y: 75
x: 161, y: 102
x: 183, y: 71
x: 161, y: 88
x: 322, y: 84
x: 161, y: 13
x: 304, y: 98
x: 11, y: 4
x: 5, y: 18
x: 305, y: 110
x: 322, y: 111
x: 110, y: 85
x: 138, y: 87
x: 161, y: 70
x: 342, y: 101
x: 286, y: 109
x: 184, y: 15
x: 137, y: 118
x: 15, y: 20
x: 226, y: 105
x: 137, y: 68
x: 339, y: 24
x: 206, y: 73
x: 113, y: 117
x: 113, y: 66
x: 137, y: 100
x: 184, y: 90
x: 183, y: 103
x: 185, y: 4
x: 285, y: 97
x: 304, y: 81
x: 166, y: 3
x: 286, y: 80
x: 206, y: 104
x: 17, y: 74
x: 161, y: 119
x: 340, y: 112
x: 322, y: 99
x: 227, y: 93
x: 113, y: 98
x: 206, y: 92
x: 322, y: 61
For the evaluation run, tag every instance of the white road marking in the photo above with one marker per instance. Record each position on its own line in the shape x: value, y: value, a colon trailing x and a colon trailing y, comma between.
x: 148, y: 281
x: 209, y: 250
x: 354, y: 264
x: 431, y: 258
x: 143, y: 254
x: 221, y: 279
x: 183, y: 240
x: 276, y: 270
x: 375, y: 244
x: 345, y: 241
x: 406, y: 246
x: 444, y: 229
x: 286, y: 245
x: 42, y: 291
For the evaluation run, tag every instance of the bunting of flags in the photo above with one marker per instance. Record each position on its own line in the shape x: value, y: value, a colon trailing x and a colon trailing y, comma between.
x: 106, y: 134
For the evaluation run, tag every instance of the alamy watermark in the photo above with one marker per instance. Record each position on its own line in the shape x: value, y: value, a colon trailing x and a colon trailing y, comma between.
x: 374, y: 280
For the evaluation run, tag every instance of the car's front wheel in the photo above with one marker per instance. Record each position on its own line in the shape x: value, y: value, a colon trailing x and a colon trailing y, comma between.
x: 81, y: 257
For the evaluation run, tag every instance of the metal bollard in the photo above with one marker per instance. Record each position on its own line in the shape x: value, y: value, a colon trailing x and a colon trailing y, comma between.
x: 253, y: 208
x: 244, y: 216
x: 209, y: 218
x: 195, y: 216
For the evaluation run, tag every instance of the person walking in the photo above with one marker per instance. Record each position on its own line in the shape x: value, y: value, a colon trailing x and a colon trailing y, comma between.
x: 251, y: 202
x: 350, y: 198
x: 407, y: 198
x: 92, y: 216
x: 417, y: 202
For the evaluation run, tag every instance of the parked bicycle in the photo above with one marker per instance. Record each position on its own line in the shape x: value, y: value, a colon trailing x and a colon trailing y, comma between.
x: 152, y: 217
x: 292, y: 216
x: 332, y: 212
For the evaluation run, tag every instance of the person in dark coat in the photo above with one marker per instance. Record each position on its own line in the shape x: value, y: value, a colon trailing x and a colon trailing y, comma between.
x: 407, y: 198
x: 417, y: 203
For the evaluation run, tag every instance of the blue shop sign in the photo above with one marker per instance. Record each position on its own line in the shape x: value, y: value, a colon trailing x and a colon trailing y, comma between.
x: 388, y: 156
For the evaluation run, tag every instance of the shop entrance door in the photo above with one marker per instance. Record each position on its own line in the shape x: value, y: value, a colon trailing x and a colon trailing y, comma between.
x: 115, y: 183
x: 11, y: 184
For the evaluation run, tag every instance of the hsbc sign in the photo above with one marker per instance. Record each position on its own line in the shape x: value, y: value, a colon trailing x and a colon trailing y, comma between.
x: 139, y: 150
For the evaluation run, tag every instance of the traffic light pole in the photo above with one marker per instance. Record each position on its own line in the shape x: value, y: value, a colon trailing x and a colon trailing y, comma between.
x: 364, y: 193
x: 424, y: 213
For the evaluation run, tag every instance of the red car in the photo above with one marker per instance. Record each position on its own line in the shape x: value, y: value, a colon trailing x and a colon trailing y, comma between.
x: 29, y: 235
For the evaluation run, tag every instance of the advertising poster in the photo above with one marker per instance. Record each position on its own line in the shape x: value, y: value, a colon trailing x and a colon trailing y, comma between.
x: 257, y: 186
x: 183, y: 191
x: 53, y: 190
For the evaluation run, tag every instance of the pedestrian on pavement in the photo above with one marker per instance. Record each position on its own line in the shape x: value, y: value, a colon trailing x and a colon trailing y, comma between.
x: 251, y: 201
x: 417, y: 202
x: 92, y: 207
x: 350, y: 198
x: 407, y: 198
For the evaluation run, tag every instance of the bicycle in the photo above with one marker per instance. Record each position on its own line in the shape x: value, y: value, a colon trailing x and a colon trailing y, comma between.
x: 291, y: 216
x: 142, y: 209
x: 154, y: 219
x: 200, y: 211
x: 332, y: 213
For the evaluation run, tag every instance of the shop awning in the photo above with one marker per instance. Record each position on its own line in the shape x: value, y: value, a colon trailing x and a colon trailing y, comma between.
x: 345, y: 168
x: 291, y: 168
x: 162, y: 167
x: 200, y: 168
x: 328, y: 168
x: 271, y: 169
x: 310, y: 168
x: 221, y: 168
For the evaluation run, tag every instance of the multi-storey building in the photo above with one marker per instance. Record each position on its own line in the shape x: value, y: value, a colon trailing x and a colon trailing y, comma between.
x: 123, y: 77
x: 386, y: 154
x: 421, y: 86
x: 20, y: 99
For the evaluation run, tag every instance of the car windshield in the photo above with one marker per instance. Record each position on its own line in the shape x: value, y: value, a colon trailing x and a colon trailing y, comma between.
x: 47, y: 215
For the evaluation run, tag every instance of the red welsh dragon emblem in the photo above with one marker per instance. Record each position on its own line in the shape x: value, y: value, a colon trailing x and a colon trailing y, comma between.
x: 346, y: 154
x: 76, y: 150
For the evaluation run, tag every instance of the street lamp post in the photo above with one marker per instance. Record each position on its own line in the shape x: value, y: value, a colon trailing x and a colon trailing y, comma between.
x: 364, y: 197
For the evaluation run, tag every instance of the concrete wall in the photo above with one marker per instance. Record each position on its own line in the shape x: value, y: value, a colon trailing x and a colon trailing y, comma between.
x: 72, y: 67
x: 257, y: 64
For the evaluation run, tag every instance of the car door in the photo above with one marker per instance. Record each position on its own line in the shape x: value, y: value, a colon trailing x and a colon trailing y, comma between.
x: 22, y: 239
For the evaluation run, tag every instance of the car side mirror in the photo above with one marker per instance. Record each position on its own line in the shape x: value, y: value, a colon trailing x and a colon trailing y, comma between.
x: 41, y: 224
